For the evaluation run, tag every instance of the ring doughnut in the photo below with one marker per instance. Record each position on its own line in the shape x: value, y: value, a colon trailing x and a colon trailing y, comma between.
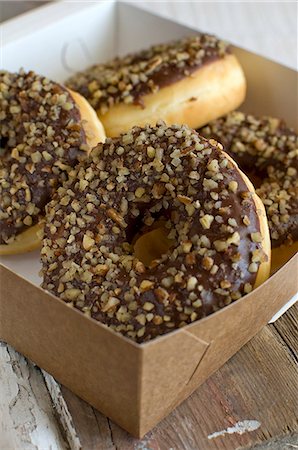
x: 190, y: 81
x: 267, y: 150
x: 44, y: 130
x: 217, y: 223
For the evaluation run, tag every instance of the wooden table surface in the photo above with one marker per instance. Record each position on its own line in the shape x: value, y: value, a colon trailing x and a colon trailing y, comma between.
x: 256, y: 389
x: 251, y: 402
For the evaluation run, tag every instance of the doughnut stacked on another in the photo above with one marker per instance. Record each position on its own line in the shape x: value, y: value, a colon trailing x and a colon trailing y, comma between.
x: 218, y: 226
x: 267, y: 150
x: 45, y: 128
x: 190, y: 81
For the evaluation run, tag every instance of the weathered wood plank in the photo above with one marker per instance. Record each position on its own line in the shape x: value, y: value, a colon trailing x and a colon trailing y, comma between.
x: 92, y: 427
x: 62, y: 412
x: 255, y: 390
x: 288, y: 442
x: 27, y: 419
x: 256, y: 384
x: 287, y: 327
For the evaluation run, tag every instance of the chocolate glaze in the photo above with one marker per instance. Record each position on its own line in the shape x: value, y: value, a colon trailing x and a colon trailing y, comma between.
x: 128, y: 183
x: 130, y: 78
x: 267, y: 150
x: 41, y: 135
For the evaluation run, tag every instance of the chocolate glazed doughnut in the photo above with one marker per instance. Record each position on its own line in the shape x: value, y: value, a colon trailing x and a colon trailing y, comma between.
x: 190, y: 81
x: 267, y: 150
x: 217, y: 223
x: 45, y: 128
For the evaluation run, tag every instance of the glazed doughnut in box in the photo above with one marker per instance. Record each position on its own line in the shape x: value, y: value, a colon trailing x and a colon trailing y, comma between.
x: 136, y: 385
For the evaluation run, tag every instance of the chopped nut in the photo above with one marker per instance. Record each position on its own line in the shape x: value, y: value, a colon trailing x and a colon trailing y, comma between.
x: 197, y: 303
x: 141, y: 318
x: 233, y: 186
x: 206, y: 221
x: 246, y: 221
x: 186, y: 246
x: 167, y: 282
x: 184, y: 199
x: 247, y: 288
x: 256, y: 237
x: 225, y: 284
x: 88, y: 242
x: 148, y: 306
x: 157, y: 320
x: 207, y: 262
x: 101, y: 269
x: 146, y: 285
x: 161, y: 294
x: 253, y: 267
x: 71, y: 294
x: 151, y: 152
x: 139, y: 192
x: 191, y: 283
x: 234, y: 239
x: 111, y: 303
x: 213, y: 166
x: 83, y: 184
x: 139, y: 267
x: 220, y: 246
x: 28, y: 221
x: 116, y: 217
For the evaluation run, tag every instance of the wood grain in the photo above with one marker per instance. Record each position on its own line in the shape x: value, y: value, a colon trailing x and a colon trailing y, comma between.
x: 257, y: 384
x: 92, y: 427
x: 27, y: 418
x: 287, y: 327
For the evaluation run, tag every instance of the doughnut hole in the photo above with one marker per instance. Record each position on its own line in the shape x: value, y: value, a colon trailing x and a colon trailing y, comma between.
x: 150, y: 245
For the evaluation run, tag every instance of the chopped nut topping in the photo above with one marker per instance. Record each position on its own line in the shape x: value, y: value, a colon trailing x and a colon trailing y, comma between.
x: 128, y: 79
x: 90, y: 233
x: 266, y: 148
x: 36, y: 133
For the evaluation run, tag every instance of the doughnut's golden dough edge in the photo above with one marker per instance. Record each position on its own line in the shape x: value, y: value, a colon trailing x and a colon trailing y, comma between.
x: 210, y: 92
x: 265, y: 266
x: 93, y: 127
x: 31, y: 238
x: 25, y: 242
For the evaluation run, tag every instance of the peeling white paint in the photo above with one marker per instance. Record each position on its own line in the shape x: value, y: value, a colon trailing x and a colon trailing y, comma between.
x: 62, y: 411
x: 27, y: 421
x: 239, y: 428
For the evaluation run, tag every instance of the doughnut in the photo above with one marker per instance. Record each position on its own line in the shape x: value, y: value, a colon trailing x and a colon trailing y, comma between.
x: 217, y: 225
x: 190, y: 81
x: 267, y: 150
x: 45, y: 128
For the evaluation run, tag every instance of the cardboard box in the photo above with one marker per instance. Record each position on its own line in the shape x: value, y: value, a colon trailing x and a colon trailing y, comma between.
x: 135, y: 385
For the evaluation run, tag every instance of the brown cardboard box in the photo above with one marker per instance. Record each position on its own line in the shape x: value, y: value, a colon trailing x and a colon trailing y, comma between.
x: 135, y: 385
